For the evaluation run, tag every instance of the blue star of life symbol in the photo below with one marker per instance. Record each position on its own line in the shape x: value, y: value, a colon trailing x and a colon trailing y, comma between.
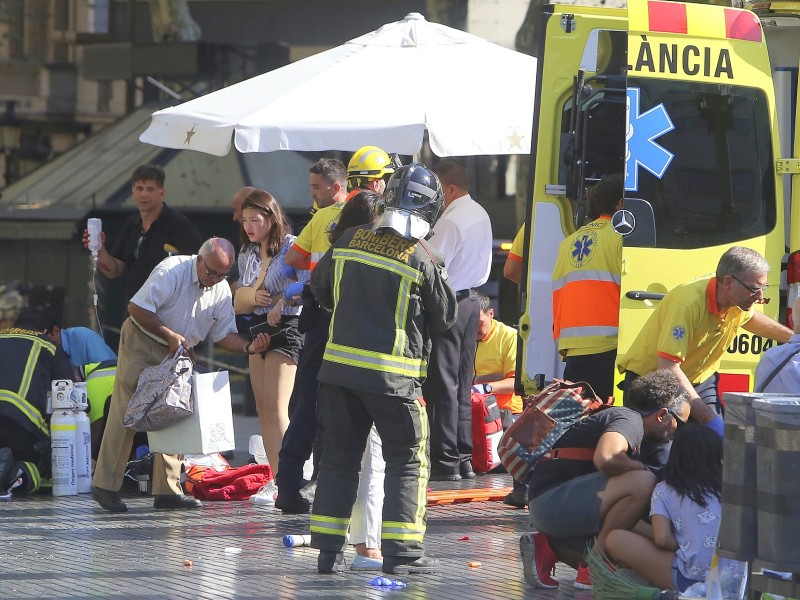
x: 678, y: 332
x: 582, y: 248
x: 641, y: 149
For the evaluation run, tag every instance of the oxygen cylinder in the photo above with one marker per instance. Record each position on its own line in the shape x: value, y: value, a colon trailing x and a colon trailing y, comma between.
x: 80, y: 398
x: 63, y: 438
x: 83, y: 437
x: 83, y: 443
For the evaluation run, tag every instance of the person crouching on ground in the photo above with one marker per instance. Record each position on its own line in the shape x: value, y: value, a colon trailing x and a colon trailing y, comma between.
x: 610, y: 489
x: 684, y: 514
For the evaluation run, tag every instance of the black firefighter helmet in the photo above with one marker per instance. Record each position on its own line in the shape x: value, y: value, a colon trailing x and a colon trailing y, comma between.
x: 412, y: 202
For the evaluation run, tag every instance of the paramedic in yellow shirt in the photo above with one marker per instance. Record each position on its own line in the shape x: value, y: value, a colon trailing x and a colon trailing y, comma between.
x: 495, y: 364
x: 496, y: 357
x: 695, y: 323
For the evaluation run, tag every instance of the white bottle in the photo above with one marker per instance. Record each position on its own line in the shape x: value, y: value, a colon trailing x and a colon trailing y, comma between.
x: 63, y: 452
x: 83, y: 455
x: 94, y: 226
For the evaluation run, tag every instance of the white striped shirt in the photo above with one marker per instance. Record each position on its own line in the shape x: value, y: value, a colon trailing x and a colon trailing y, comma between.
x: 275, y: 281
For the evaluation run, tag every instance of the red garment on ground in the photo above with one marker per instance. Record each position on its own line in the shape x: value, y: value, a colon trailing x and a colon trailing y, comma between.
x: 232, y: 484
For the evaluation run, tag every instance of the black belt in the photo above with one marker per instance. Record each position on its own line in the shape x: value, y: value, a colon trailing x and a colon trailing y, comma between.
x: 461, y: 294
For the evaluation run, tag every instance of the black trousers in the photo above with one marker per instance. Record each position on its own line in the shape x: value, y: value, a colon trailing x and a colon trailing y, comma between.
x: 595, y: 369
x: 299, y: 439
x: 347, y: 416
x: 447, y: 389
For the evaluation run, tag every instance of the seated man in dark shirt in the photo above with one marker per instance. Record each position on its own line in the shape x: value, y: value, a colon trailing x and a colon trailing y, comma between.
x: 585, y: 498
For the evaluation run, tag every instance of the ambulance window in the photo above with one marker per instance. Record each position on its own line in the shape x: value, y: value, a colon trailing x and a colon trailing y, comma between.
x: 604, y: 144
x: 719, y: 187
x: 605, y: 52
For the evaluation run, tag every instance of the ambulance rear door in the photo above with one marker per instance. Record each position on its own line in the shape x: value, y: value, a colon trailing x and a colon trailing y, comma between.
x: 581, y: 64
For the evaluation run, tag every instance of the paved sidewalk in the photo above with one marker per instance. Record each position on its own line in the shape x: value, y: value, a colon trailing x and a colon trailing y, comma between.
x: 69, y: 547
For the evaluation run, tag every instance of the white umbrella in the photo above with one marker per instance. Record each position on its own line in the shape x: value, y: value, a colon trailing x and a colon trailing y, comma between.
x: 473, y: 97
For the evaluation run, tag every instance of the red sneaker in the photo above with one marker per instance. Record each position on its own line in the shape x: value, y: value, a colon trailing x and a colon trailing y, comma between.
x: 583, y: 581
x: 538, y: 560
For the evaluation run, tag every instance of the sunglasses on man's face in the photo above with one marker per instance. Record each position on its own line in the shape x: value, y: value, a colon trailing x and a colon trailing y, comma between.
x: 678, y: 421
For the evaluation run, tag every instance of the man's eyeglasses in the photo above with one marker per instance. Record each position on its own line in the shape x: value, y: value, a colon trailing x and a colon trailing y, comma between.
x: 213, y: 274
x: 753, y: 290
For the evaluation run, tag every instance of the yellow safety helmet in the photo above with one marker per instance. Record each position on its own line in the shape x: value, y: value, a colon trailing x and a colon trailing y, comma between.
x: 368, y: 162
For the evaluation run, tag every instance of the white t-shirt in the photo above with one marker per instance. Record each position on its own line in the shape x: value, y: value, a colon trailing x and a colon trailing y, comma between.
x: 463, y: 234
x: 696, y: 528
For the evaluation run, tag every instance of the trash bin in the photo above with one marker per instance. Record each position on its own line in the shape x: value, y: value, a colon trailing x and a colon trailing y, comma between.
x: 738, y: 532
x: 778, y: 477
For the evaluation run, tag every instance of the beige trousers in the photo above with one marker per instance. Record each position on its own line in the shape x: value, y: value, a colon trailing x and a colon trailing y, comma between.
x: 136, y: 351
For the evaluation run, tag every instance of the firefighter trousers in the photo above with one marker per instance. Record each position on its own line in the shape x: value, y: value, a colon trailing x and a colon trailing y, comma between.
x: 347, y: 416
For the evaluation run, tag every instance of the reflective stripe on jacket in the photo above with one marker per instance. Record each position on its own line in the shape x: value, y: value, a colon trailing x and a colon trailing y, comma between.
x: 387, y: 294
x: 99, y: 385
x: 30, y: 362
x: 586, y: 289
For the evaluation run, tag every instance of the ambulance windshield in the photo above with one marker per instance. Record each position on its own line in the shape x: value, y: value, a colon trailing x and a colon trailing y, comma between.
x: 719, y: 186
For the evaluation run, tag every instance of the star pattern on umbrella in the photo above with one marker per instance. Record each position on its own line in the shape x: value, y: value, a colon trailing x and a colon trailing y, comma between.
x: 189, y: 135
x: 515, y: 139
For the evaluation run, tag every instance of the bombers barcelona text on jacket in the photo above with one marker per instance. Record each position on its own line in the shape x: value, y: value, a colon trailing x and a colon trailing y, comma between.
x: 370, y: 348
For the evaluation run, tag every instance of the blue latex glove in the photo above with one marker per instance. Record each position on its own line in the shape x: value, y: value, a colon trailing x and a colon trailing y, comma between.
x: 286, y: 270
x: 717, y: 425
x: 293, y: 289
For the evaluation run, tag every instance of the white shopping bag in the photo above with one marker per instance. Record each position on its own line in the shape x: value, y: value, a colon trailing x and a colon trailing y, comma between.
x: 209, y: 429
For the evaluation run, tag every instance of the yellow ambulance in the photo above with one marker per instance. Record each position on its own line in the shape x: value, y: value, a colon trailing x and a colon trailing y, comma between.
x: 780, y: 20
x: 679, y: 98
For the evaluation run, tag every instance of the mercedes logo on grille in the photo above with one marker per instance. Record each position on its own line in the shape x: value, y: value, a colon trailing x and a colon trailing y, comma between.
x: 623, y: 222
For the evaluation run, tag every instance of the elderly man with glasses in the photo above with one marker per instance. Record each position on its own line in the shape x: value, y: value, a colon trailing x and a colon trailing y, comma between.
x: 184, y: 301
x: 693, y: 325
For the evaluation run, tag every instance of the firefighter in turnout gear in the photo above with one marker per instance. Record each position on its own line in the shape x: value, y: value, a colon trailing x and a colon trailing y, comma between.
x: 31, y: 360
x: 373, y: 367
